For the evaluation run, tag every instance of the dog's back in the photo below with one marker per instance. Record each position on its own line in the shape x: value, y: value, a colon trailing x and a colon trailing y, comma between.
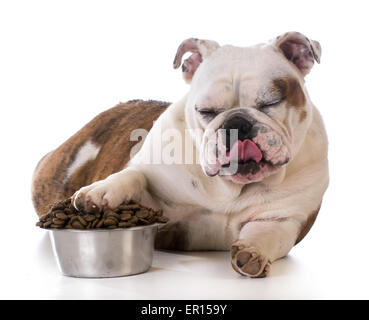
x: 100, y: 148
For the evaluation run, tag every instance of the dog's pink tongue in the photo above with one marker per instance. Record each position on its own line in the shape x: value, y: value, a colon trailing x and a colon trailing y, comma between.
x: 247, y: 150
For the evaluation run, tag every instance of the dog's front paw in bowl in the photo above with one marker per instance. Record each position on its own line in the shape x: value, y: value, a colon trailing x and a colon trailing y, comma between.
x: 248, y: 261
x: 94, y: 197
x: 111, y: 192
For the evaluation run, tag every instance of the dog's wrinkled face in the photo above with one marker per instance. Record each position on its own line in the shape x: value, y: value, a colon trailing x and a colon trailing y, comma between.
x: 250, y: 104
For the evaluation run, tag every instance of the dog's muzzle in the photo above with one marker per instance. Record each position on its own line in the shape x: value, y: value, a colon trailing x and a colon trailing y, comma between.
x: 244, y: 147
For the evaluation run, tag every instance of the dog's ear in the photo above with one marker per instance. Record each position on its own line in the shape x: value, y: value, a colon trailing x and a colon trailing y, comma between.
x: 299, y: 50
x: 200, y: 49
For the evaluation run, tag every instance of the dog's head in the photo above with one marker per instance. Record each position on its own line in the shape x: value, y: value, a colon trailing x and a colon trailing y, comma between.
x: 249, y: 105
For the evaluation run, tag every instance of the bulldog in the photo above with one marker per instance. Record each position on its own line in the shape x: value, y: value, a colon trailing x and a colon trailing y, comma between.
x: 239, y: 163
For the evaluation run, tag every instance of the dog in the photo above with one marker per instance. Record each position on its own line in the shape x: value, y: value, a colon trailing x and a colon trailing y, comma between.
x: 251, y: 164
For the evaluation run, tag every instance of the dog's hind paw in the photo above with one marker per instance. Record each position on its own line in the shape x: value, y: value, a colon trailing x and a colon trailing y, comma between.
x: 248, y: 261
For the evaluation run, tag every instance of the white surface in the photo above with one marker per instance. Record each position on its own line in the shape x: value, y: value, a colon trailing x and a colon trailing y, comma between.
x: 312, y: 271
x: 61, y: 63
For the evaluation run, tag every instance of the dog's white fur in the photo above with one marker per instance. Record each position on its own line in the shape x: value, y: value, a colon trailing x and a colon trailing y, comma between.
x: 261, y: 218
x: 87, y: 152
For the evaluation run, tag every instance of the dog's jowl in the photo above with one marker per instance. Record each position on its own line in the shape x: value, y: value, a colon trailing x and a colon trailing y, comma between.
x: 239, y: 163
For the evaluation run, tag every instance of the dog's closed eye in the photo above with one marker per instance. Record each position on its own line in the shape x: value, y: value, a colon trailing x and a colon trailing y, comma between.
x: 270, y: 104
x: 208, y: 113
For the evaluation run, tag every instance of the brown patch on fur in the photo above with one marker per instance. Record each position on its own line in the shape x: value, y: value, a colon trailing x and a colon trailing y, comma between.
x: 111, y: 131
x: 303, y: 115
x: 172, y: 236
x: 305, y: 228
x: 291, y: 90
x: 81, y: 177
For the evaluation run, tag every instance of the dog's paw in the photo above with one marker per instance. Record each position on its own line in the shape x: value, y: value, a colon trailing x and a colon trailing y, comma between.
x: 248, y: 261
x: 100, y: 194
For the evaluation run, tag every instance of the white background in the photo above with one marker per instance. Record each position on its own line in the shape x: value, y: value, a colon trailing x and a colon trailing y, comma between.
x: 63, y: 62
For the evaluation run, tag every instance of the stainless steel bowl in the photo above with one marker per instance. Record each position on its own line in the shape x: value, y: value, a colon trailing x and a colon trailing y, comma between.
x: 103, y: 253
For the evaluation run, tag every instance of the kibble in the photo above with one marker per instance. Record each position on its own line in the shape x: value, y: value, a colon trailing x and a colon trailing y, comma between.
x: 125, y: 216
x: 63, y: 215
x: 77, y: 225
x: 100, y: 224
x: 142, y: 214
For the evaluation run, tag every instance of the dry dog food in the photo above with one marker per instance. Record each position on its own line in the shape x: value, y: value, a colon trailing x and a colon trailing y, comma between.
x: 62, y: 215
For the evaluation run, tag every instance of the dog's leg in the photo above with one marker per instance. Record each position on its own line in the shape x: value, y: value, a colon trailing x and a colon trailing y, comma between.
x: 122, y: 186
x: 261, y: 241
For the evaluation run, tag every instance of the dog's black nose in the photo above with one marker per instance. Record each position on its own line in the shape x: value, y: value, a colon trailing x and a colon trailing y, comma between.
x: 241, y: 124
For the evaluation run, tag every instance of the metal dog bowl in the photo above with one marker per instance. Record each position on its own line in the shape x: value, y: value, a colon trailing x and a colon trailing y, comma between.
x: 103, y: 253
